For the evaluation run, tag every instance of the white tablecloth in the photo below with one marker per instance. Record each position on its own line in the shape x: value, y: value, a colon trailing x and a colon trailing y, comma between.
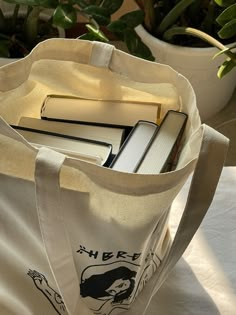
x: 204, y: 280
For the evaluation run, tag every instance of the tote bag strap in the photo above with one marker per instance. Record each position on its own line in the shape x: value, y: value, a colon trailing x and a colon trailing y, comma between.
x: 202, y: 189
x: 57, y: 244
x: 55, y: 237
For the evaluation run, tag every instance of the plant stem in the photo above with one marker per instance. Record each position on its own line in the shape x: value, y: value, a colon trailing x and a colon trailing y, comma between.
x: 15, y: 16
x: 197, y: 33
x: 3, y: 36
x: 149, y: 14
x: 31, y: 25
x: 140, y: 4
x: 149, y: 18
x: 173, y: 15
x: 2, y: 20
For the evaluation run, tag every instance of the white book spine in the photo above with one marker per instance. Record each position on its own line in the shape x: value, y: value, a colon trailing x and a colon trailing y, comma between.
x: 134, y: 147
x: 162, y: 144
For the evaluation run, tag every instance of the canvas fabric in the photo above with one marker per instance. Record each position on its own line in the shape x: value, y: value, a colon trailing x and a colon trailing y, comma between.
x: 78, y: 238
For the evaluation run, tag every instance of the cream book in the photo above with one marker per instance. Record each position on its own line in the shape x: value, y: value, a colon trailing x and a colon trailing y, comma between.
x: 150, y: 149
x: 134, y: 147
x: 164, y: 146
x: 89, y: 150
x: 114, y: 136
x: 121, y: 113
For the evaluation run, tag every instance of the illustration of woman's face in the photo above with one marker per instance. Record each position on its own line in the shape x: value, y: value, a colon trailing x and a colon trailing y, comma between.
x: 118, y: 286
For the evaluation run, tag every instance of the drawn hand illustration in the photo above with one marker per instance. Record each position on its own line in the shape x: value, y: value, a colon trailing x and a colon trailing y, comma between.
x: 53, y: 297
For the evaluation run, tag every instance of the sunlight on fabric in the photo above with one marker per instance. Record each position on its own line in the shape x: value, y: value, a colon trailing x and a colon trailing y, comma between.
x: 208, y: 265
x: 212, y: 275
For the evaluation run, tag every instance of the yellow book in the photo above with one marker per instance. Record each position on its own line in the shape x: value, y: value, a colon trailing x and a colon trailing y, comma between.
x: 121, y: 113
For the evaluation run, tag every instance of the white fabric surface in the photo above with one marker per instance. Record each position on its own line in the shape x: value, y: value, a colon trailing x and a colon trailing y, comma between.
x: 204, y: 280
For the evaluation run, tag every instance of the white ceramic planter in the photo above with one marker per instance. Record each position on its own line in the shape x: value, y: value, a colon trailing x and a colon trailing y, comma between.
x: 44, y: 17
x: 197, y: 65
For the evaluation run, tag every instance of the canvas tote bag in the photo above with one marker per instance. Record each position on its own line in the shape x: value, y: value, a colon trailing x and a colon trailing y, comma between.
x: 78, y: 238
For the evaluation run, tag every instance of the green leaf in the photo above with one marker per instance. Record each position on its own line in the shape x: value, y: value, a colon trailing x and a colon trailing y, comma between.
x: 31, y: 25
x: 82, y: 3
x: 24, y: 2
x: 97, y: 33
x: 232, y: 47
x: 174, y: 14
x: 43, y: 3
x: 88, y: 36
x: 65, y: 16
x: 48, y: 3
x: 225, y: 68
x: 117, y: 26
x: 101, y: 15
x: 221, y: 52
x: 94, y: 2
x: 133, y: 19
x: 224, y: 3
x: 85, y: 3
x: 227, y: 15
x: 112, y: 5
x: 228, y: 30
x: 136, y: 47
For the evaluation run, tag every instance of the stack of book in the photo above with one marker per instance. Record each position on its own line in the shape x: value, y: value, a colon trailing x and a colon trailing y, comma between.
x: 103, y: 133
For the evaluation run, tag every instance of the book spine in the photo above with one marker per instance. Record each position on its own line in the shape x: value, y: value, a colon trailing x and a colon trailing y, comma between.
x: 132, y: 150
x: 174, y: 149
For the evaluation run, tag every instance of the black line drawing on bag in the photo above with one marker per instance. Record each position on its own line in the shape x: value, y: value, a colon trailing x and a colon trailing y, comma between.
x: 152, y: 262
x: 108, y: 286
x: 108, y: 255
x: 113, y: 286
x: 52, y: 296
x: 116, y: 284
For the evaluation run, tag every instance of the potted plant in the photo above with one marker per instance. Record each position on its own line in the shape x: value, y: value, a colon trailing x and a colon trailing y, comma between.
x: 102, y: 21
x: 21, y: 25
x: 145, y: 32
x: 180, y: 33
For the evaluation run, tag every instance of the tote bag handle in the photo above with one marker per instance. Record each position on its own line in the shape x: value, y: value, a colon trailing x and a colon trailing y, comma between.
x: 202, y: 189
x: 47, y: 172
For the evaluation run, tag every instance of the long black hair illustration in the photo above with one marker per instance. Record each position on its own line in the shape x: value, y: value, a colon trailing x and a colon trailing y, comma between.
x: 116, y: 284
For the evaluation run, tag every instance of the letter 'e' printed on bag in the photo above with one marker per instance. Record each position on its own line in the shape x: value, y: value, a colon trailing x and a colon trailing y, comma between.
x: 79, y: 238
